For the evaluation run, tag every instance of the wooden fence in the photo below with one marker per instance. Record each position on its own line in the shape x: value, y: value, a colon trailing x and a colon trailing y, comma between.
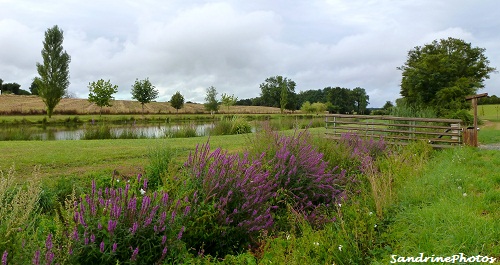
x: 441, y: 133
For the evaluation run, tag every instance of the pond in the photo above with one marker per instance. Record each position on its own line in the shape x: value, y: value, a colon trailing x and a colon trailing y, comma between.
x: 132, y: 130
x: 100, y: 131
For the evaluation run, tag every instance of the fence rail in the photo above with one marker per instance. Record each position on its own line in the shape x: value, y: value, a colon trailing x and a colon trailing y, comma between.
x: 441, y: 133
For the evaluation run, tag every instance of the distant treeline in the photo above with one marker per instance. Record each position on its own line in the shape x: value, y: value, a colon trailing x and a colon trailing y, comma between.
x: 489, y: 100
x: 337, y: 100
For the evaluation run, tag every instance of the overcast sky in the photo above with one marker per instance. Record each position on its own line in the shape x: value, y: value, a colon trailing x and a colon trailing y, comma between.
x: 189, y: 45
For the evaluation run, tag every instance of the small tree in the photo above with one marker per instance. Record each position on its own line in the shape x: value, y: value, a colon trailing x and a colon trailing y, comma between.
x: 144, y: 92
x: 101, y: 93
x: 211, y: 102
x: 177, y: 101
x: 228, y: 101
x: 54, y: 72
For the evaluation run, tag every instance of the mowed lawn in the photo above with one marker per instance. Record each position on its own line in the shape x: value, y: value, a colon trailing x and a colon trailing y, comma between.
x: 80, y: 157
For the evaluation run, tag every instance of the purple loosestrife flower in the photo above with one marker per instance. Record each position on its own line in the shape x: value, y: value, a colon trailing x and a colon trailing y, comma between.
x: 48, y: 242
x: 145, y: 184
x: 75, y: 234
x: 113, y: 248
x: 36, y: 258
x: 139, y: 178
x: 49, y: 257
x: 134, y: 227
x: 179, y: 236
x: 111, y: 226
x: 4, y: 257
x: 101, y: 246
x: 92, y: 238
x: 164, y: 252
x: 163, y: 239
x: 134, y: 254
x: 164, y: 199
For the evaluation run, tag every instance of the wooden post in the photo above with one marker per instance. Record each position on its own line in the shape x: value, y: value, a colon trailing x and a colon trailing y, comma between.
x: 470, y: 135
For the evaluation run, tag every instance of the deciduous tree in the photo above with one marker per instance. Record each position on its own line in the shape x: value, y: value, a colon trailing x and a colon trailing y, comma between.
x: 228, y: 101
x: 54, y: 72
x: 278, y: 91
x: 144, y: 92
x: 101, y: 93
x: 442, y: 73
x: 211, y: 102
x: 177, y: 101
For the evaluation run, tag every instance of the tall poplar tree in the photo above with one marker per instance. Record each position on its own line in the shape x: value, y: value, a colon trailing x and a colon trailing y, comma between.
x: 54, y: 72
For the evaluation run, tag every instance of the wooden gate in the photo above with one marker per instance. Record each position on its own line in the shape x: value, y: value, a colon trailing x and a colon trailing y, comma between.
x: 440, y: 133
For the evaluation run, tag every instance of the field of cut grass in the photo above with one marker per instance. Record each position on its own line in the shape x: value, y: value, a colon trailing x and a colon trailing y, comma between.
x: 26, y: 105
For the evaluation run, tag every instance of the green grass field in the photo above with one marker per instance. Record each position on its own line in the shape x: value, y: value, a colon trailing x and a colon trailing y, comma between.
x: 489, y: 112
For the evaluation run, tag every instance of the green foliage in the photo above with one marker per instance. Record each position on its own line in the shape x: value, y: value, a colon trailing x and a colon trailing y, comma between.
x: 316, y: 107
x: 19, y: 211
x: 278, y: 91
x: 101, y: 93
x: 464, y: 115
x: 231, y: 125
x: 177, y: 101
x: 34, y: 86
x: 404, y: 109
x: 211, y: 102
x: 144, y: 92
x: 183, y: 131
x: 345, y: 100
x: 442, y: 73
x: 54, y: 72
x: 7, y: 88
x: 228, y: 101
x: 159, y: 161
x: 306, y: 107
x: 360, y: 100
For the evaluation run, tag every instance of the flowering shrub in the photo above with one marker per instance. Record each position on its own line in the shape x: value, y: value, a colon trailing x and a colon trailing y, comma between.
x: 126, y: 225
x: 362, y: 151
x: 245, y: 194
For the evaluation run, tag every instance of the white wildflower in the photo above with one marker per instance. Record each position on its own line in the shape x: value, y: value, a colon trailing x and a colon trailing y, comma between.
x: 117, y: 180
x: 340, y: 247
x: 340, y: 205
x: 465, y: 194
x: 375, y: 226
x: 142, y: 191
x: 370, y: 213
x: 316, y: 243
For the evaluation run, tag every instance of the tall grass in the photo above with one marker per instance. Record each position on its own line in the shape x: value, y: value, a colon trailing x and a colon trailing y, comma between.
x: 182, y: 131
x: 228, y: 125
x: 403, y: 109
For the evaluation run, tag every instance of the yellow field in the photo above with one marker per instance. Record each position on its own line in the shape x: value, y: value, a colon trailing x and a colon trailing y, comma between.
x: 18, y: 105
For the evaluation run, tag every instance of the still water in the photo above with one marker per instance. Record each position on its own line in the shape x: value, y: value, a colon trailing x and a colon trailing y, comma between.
x: 77, y: 132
